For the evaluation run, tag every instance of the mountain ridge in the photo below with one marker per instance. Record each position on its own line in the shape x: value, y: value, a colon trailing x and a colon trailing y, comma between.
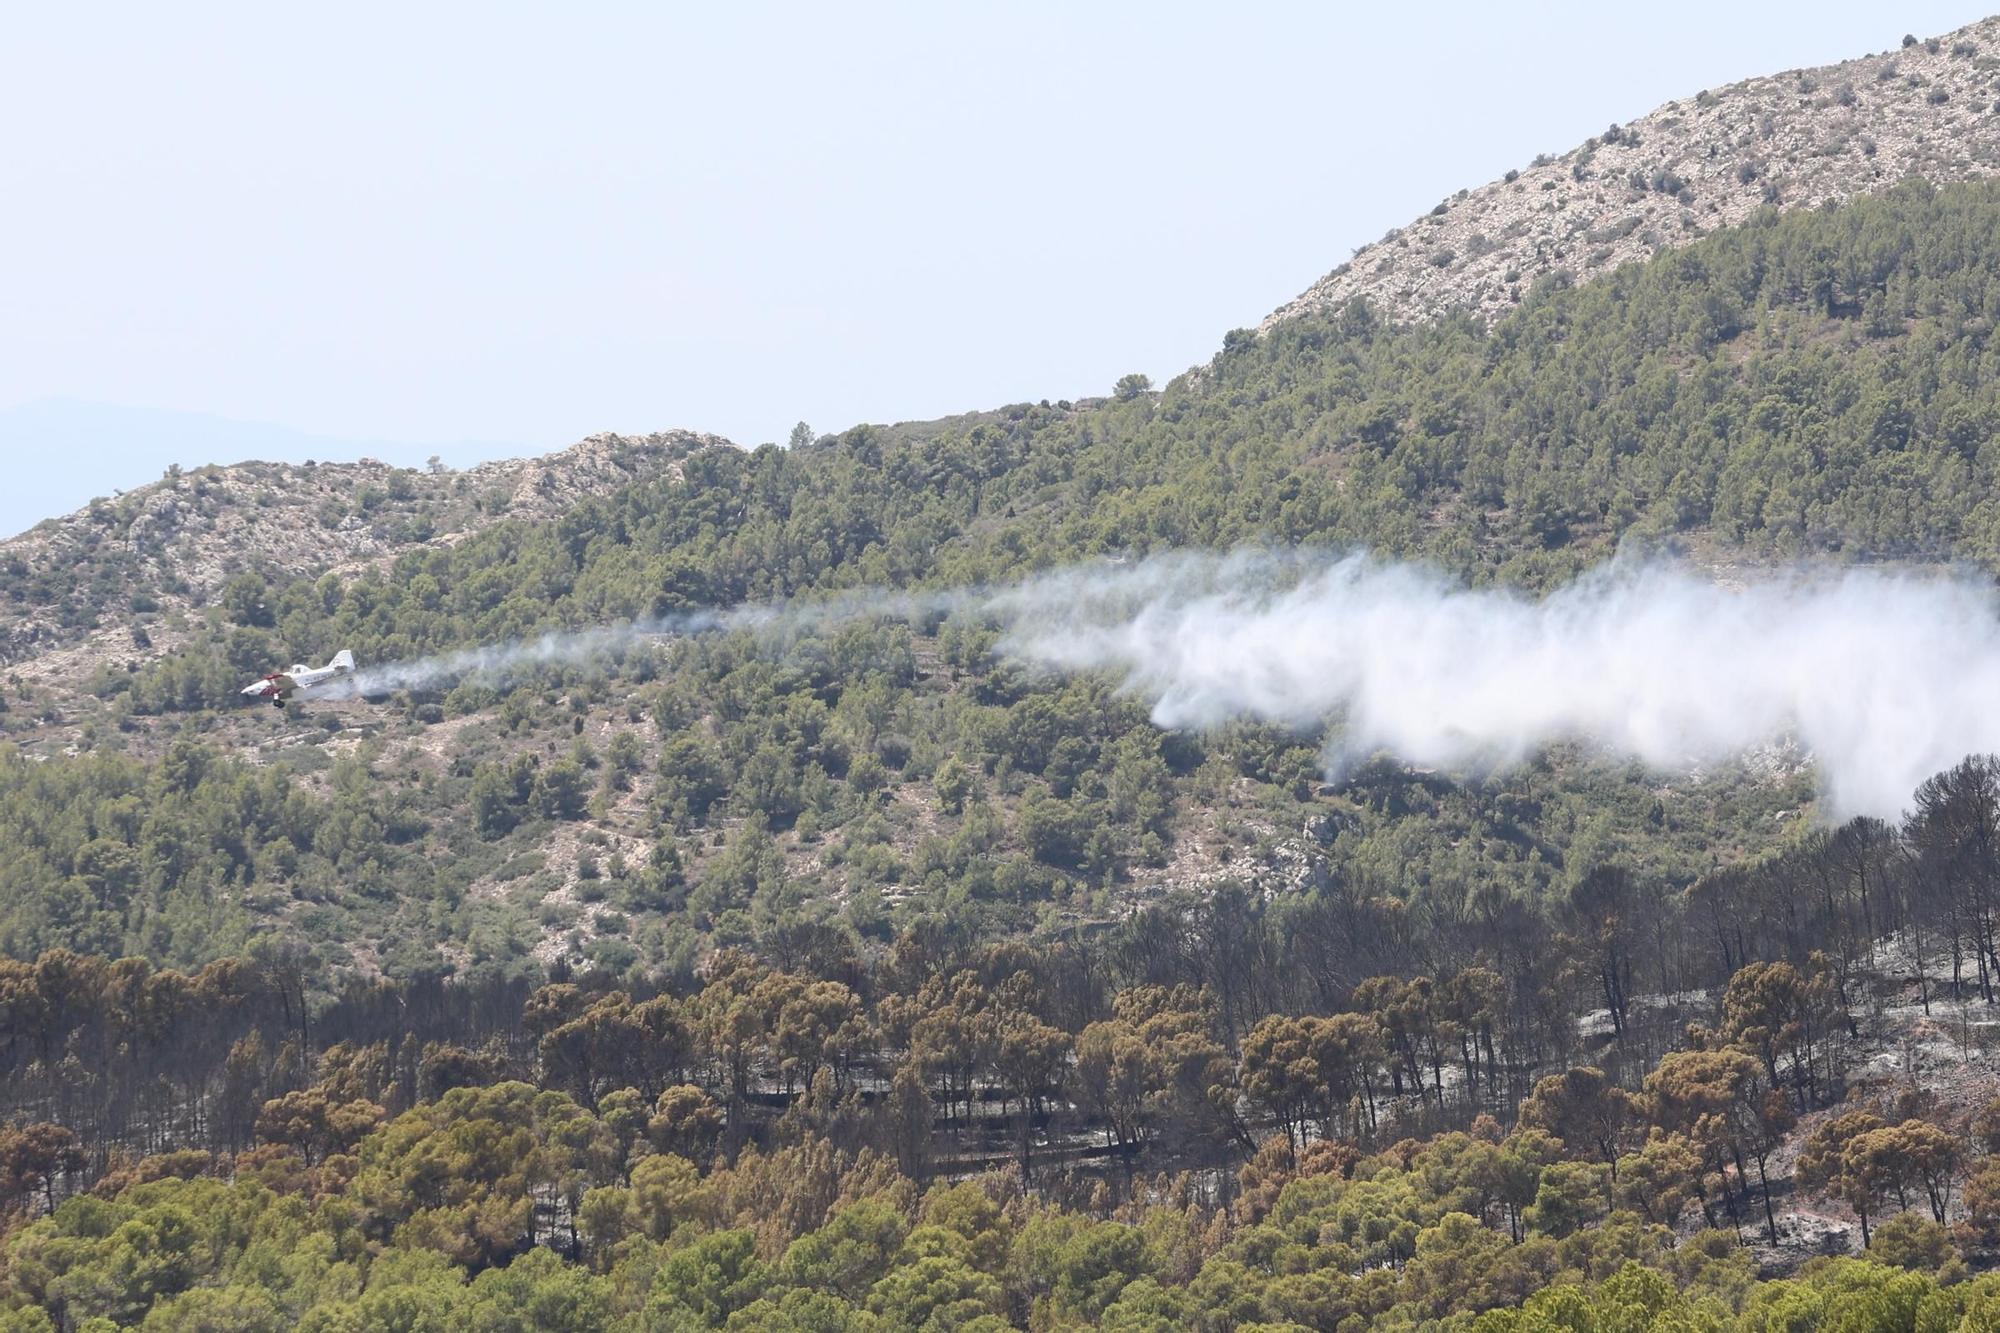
x: 179, y: 540
x: 908, y: 963
x: 1796, y: 139
x: 1800, y: 138
x: 97, y: 449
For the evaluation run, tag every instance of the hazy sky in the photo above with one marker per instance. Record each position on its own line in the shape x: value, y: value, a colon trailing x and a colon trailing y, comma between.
x: 526, y: 223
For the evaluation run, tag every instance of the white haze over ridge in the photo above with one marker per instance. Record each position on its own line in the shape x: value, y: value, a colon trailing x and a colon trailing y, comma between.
x: 1885, y: 677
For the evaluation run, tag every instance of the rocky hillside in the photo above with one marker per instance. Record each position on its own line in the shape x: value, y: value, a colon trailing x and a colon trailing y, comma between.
x: 178, y: 541
x: 1793, y: 140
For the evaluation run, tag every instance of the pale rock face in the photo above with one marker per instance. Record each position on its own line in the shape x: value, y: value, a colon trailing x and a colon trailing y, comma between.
x: 188, y: 534
x: 1793, y: 140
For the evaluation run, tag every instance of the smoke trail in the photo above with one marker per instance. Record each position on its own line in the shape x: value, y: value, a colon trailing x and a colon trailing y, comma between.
x: 1886, y: 678
x: 498, y: 663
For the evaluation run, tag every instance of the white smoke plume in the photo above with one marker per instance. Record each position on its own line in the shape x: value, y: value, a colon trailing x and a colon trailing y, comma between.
x: 1884, y: 677
x: 497, y: 663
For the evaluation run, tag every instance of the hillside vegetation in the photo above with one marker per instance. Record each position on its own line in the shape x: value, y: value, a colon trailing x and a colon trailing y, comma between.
x: 1815, y: 382
x: 1808, y: 382
x: 848, y: 976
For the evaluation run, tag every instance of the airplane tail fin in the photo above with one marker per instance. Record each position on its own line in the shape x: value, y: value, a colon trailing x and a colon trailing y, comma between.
x: 343, y: 660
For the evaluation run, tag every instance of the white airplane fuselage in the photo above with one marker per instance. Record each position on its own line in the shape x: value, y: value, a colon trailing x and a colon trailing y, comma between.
x: 282, y: 685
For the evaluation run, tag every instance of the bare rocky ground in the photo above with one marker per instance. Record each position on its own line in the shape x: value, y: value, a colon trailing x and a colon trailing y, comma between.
x: 1793, y: 140
x: 179, y: 540
x: 1941, y: 1062
x: 1944, y: 1056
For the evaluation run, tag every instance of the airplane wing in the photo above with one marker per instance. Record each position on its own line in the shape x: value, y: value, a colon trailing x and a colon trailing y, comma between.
x: 281, y: 685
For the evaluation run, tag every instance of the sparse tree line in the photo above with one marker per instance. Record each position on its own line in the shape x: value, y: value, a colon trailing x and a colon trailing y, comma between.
x: 1171, y: 1121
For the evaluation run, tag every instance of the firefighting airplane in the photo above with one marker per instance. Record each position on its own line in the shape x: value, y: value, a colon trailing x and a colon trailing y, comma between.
x: 281, y: 685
